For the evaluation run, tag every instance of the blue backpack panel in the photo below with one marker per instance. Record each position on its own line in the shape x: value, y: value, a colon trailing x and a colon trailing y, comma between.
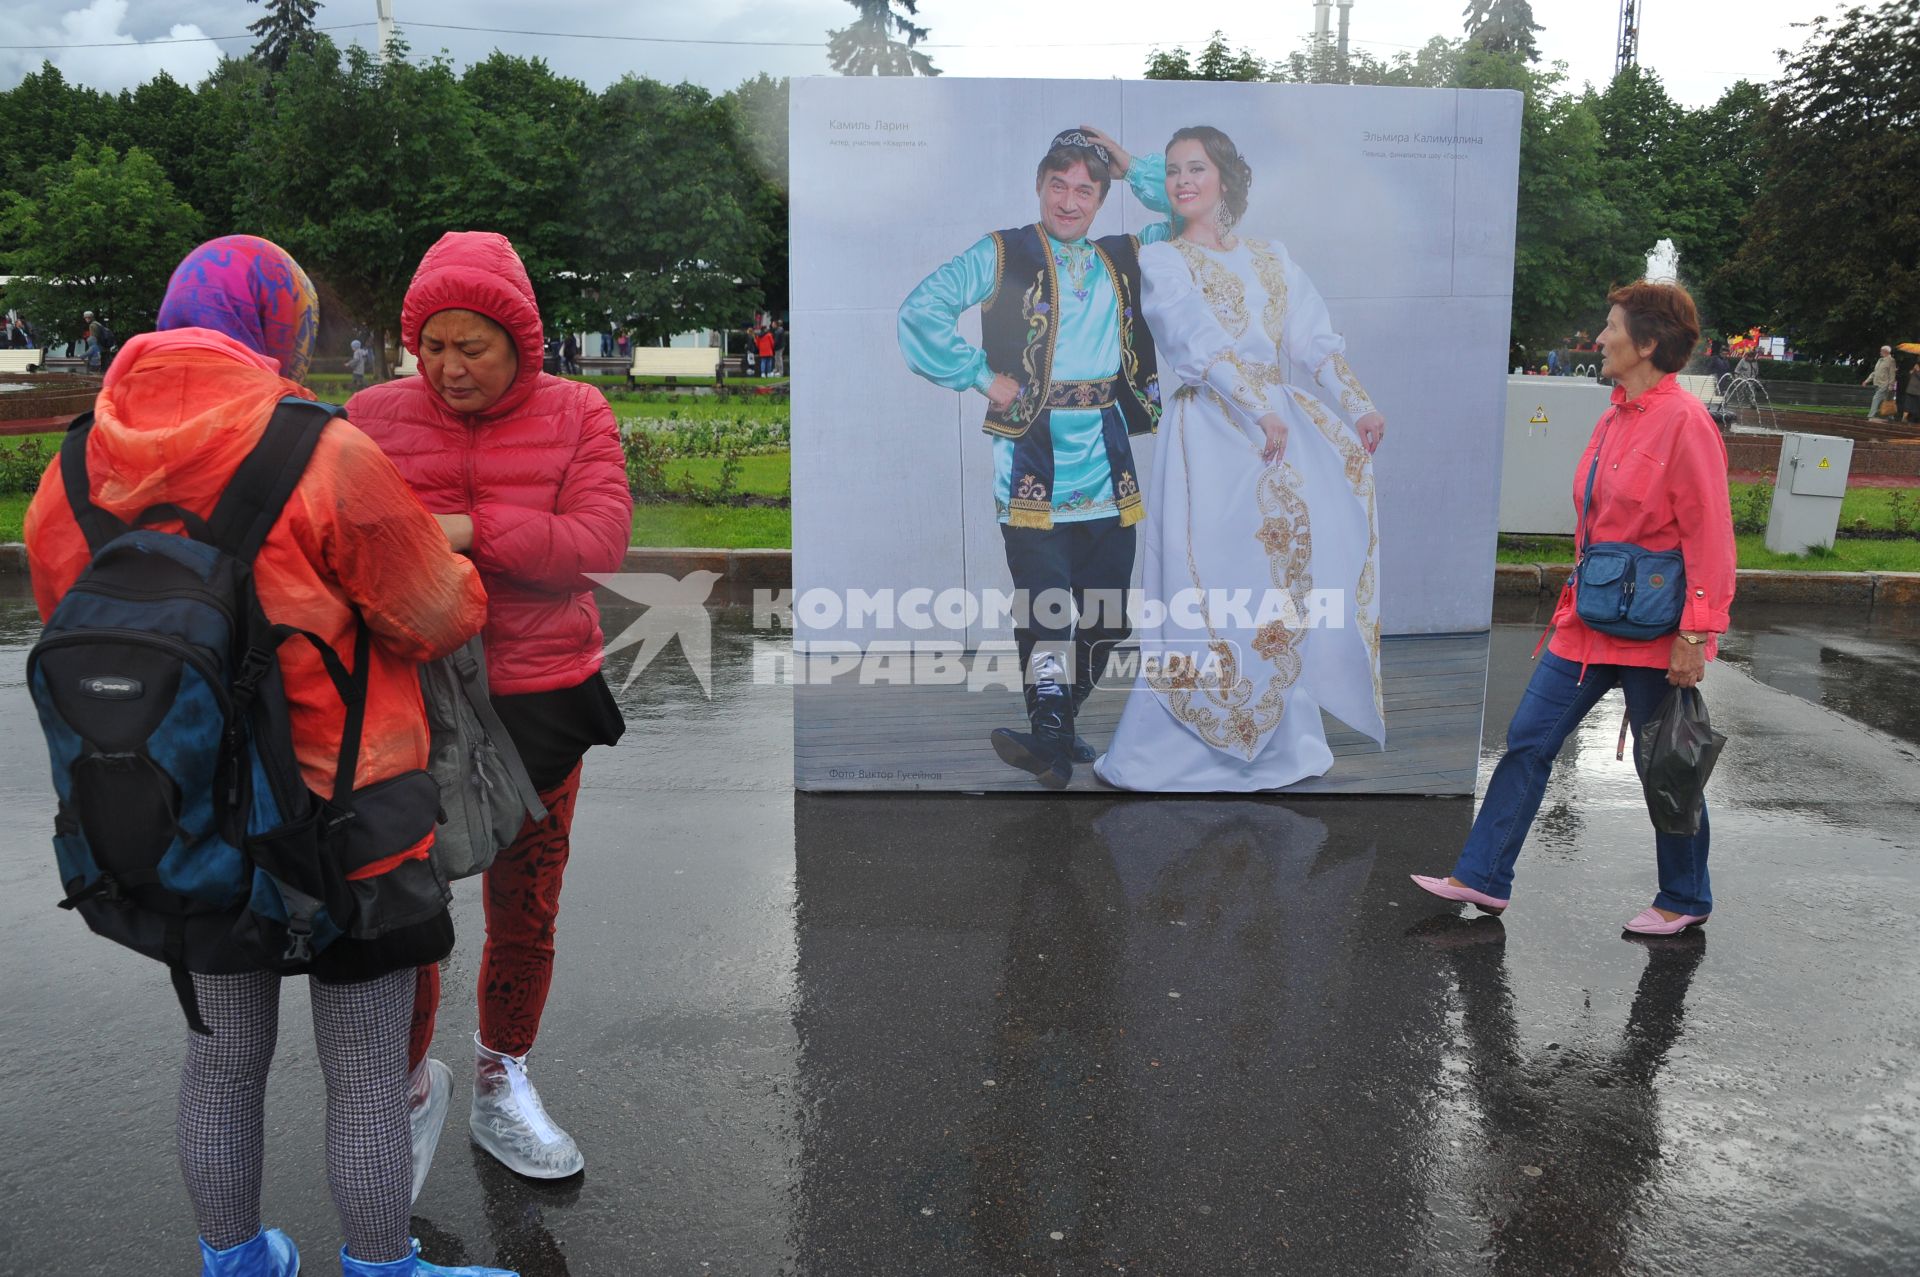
x: 185, y: 829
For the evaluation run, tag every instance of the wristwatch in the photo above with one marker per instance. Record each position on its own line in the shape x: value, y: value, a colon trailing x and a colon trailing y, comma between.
x: 1695, y: 639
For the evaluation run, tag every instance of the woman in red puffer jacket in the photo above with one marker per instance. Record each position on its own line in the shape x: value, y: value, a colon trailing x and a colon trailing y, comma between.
x: 525, y: 473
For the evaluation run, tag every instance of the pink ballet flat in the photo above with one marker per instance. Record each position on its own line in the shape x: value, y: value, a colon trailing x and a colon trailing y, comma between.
x: 1465, y: 895
x: 1648, y: 922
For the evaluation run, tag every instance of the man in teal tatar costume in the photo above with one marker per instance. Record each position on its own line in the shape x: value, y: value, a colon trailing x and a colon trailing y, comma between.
x: 1066, y: 369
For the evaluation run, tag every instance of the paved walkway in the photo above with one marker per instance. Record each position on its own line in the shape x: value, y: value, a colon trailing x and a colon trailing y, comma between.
x: 858, y: 1035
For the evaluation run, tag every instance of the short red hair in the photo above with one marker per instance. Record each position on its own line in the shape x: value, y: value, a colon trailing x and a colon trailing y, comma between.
x: 1663, y: 314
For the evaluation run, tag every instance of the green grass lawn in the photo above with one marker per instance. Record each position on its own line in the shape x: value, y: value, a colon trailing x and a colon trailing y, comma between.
x: 13, y: 510
x: 1846, y: 555
x: 767, y: 476
x: 717, y: 527
x: 654, y: 409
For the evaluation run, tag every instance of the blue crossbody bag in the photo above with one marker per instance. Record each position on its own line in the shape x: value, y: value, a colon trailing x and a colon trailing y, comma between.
x: 1624, y: 589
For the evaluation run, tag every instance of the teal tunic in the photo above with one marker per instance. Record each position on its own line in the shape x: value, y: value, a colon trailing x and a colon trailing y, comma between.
x: 1087, y: 349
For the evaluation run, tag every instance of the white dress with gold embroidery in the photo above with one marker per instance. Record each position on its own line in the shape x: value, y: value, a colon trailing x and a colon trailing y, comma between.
x: 1229, y: 698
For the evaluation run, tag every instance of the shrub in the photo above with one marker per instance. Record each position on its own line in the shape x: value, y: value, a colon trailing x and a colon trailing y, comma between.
x: 1900, y: 506
x: 21, y: 466
x: 1753, y: 505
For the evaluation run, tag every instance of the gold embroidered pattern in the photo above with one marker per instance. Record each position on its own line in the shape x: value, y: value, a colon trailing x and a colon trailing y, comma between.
x: 999, y: 272
x: 1226, y: 713
x: 1273, y: 281
x: 1222, y: 288
x: 1354, y: 400
x: 1031, y: 506
x: 1126, y: 496
x: 1358, y: 464
x: 1041, y: 332
x: 1148, y: 393
x: 1095, y: 393
x: 1241, y: 387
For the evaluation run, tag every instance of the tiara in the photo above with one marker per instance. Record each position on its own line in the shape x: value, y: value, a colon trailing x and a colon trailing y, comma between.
x: 1074, y: 137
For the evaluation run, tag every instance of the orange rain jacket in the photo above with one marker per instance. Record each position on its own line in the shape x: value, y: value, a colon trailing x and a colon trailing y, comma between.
x: 177, y: 413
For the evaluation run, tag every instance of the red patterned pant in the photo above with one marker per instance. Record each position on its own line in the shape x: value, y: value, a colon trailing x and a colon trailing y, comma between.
x: 516, y: 966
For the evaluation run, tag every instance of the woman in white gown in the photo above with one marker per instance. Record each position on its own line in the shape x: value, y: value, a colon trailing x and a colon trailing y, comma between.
x: 1262, y: 491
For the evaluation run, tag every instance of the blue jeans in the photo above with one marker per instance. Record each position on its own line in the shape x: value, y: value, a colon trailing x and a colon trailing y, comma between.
x: 1555, y: 702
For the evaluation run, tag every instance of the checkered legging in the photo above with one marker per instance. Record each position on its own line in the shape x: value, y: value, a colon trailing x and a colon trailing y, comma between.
x: 361, y: 1032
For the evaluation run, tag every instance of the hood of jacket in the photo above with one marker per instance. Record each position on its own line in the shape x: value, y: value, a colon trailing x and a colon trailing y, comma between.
x: 176, y: 413
x: 480, y: 272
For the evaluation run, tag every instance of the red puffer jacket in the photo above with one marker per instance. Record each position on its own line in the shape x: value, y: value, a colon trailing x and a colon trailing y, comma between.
x: 541, y: 472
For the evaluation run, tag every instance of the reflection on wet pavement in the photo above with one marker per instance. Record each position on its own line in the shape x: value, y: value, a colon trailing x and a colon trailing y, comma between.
x: 859, y: 1035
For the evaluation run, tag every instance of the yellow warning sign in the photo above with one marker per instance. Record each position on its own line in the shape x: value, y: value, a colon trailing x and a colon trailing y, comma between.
x: 1825, y: 464
x: 1539, y: 417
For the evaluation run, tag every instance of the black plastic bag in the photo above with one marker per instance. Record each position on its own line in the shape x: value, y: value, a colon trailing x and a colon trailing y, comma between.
x: 1676, y: 751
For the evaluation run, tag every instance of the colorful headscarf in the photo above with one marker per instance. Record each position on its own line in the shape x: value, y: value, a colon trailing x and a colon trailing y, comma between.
x: 252, y: 290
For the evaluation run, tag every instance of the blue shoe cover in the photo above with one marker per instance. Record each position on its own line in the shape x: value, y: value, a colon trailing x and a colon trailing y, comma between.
x: 413, y: 1266
x: 268, y: 1253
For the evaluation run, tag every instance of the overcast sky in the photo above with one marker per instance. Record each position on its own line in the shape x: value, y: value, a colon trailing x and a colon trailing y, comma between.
x: 1699, y: 47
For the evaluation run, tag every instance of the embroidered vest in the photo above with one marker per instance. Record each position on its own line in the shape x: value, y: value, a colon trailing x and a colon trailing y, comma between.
x: 1019, y: 324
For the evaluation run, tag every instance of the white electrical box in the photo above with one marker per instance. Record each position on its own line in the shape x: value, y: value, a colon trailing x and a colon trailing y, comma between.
x: 1549, y: 420
x: 1807, y: 492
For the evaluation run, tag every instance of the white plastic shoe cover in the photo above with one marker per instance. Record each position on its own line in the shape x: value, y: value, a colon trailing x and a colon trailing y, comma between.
x: 510, y: 1122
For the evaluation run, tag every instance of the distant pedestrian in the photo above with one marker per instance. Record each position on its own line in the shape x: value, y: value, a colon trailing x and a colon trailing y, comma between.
x: 98, y: 339
x: 763, y: 347
x: 358, y: 362
x: 1718, y: 365
x: 1746, y: 369
x: 1910, y: 401
x: 1882, y: 379
x: 780, y: 348
x: 1553, y: 363
x: 570, y: 355
x: 624, y: 344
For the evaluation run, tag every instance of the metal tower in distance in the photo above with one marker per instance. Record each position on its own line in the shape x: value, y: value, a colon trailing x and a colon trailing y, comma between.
x: 1629, y: 48
x: 1323, y: 24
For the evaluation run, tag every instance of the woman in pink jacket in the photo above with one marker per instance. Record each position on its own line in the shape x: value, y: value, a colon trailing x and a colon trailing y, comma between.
x: 1660, y: 483
x: 525, y: 473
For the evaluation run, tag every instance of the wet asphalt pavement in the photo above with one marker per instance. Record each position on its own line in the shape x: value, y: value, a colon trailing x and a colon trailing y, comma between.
x: 957, y: 1035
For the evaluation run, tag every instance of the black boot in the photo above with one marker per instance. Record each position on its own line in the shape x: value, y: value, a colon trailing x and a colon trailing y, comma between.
x: 1047, y: 750
x: 1090, y: 663
x: 1082, y: 752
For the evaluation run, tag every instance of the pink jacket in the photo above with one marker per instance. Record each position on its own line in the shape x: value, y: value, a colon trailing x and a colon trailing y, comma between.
x: 541, y: 472
x: 1662, y: 484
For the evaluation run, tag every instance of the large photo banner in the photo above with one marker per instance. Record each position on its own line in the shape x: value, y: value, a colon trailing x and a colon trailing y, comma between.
x: 1146, y: 436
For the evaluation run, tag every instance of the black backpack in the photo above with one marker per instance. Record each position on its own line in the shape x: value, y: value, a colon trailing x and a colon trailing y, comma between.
x: 185, y: 829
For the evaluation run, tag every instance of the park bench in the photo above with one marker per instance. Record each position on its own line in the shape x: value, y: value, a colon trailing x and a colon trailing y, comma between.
x: 694, y: 363
x: 12, y: 360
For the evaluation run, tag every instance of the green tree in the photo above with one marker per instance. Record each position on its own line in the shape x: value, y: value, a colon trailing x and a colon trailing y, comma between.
x: 1732, y: 146
x: 101, y: 231
x: 1835, y: 231
x: 880, y: 41
x: 356, y: 167
x: 219, y: 171
x: 286, y: 27
x: 759, y: 108
x: 1568, y: 241
x: 1502, y: 26
x: 668, y: 238
x: 1646, y: 158
x: 44, y: 116
x: 524, y: 178
x: 1216, y: 62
